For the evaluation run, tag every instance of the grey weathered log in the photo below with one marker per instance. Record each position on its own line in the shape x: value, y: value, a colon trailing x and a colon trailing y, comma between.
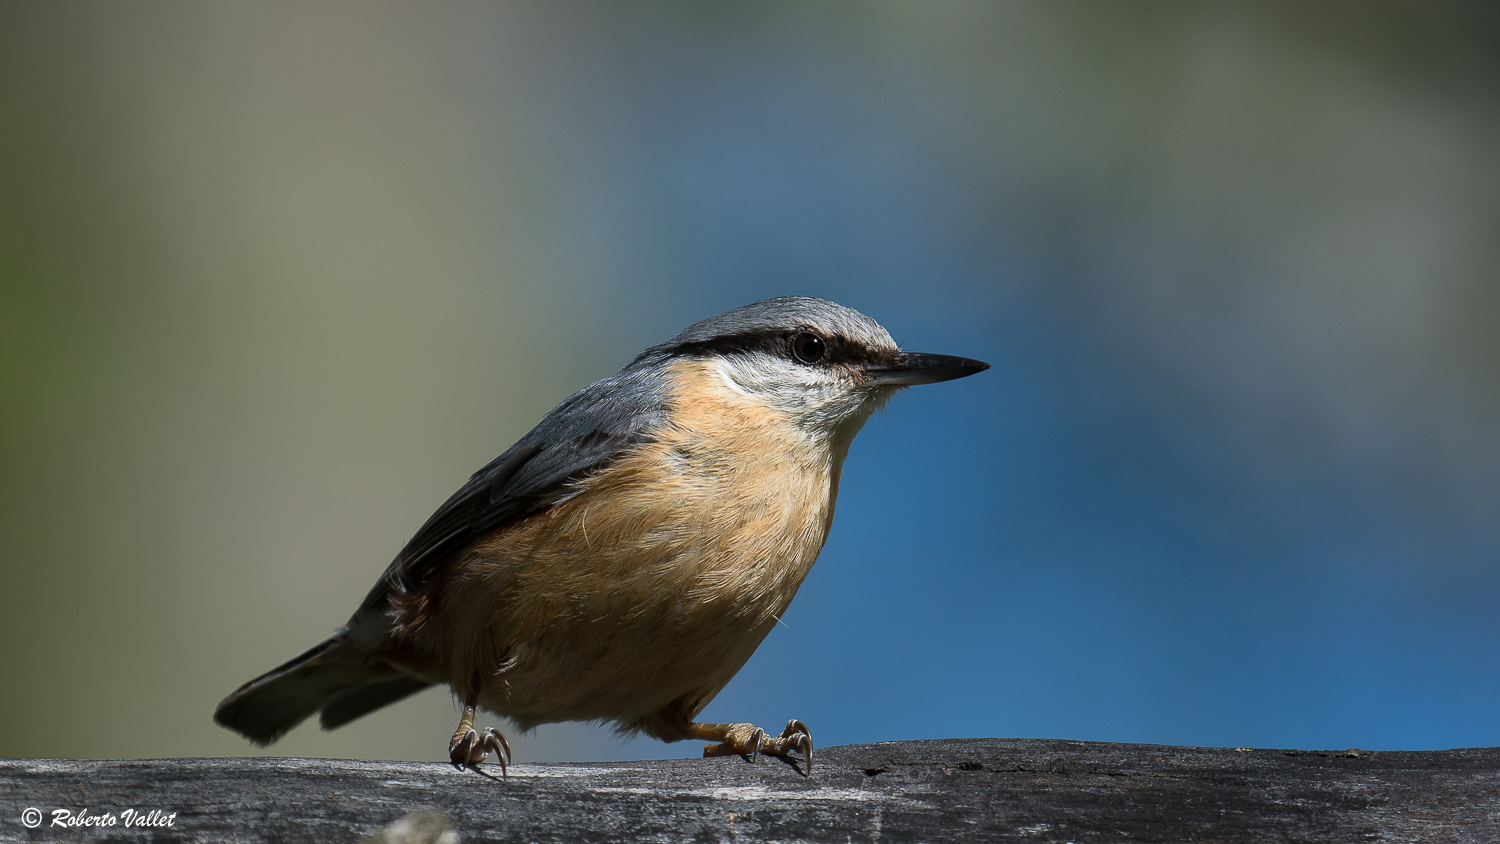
x: 951, y: 790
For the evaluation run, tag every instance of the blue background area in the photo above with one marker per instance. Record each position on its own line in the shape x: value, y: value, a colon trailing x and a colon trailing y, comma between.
x: 275, y: 284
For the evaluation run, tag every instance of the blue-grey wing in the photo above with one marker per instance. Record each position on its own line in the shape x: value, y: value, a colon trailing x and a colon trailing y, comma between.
x: 579, y: 437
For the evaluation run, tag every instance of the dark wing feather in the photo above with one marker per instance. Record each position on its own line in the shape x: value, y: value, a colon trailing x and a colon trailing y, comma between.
x: 582, y: 435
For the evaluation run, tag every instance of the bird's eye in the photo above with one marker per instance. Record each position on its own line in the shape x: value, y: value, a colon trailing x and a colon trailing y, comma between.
x: 809, y: 347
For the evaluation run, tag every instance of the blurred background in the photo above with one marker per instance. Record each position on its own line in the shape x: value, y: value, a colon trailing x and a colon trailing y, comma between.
x: 276, y: 277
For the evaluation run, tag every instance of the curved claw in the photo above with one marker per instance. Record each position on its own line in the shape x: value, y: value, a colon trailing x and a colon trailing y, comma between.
x: 799, y: 738
x: 491, y: 740
x: 470, y: 747
x: 748, y: 740
x: 462, y: 747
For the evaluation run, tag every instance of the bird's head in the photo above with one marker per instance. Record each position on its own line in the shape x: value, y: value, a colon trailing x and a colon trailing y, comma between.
x: 825, y: 366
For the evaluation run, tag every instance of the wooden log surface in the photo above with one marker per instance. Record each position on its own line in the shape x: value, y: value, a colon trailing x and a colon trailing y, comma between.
x: 948, y: 790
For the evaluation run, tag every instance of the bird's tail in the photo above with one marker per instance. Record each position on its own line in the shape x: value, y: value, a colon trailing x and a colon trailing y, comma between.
x: 331, y: 678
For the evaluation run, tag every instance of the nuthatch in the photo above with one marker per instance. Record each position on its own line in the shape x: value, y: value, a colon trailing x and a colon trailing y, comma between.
x: 624, y: 559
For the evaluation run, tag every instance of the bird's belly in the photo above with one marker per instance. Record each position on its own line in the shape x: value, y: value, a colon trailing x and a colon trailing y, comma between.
x: 623, y: 669
x: 650, y: 587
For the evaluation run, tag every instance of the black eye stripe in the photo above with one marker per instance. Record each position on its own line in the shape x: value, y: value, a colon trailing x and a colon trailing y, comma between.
x: 837, y: 350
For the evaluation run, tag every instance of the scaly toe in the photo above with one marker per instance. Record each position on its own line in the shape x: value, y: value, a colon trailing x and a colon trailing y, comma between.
x: 741, y: 740
x: 462, y: 749
x: 796, y: 737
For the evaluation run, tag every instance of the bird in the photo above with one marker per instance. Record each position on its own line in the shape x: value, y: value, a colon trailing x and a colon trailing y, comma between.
x: 621, y: 562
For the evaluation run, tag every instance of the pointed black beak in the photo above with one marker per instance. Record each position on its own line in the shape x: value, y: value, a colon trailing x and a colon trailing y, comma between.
x: 920, y: 368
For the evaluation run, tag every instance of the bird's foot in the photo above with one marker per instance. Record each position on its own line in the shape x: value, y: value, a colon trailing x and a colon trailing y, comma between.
x: 470, y: 747
x: 747, y: 740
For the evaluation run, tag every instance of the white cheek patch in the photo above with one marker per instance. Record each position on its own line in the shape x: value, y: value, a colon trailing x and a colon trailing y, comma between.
x: 817, y: 409
x: 728, y: 375
x: 764, y: 382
